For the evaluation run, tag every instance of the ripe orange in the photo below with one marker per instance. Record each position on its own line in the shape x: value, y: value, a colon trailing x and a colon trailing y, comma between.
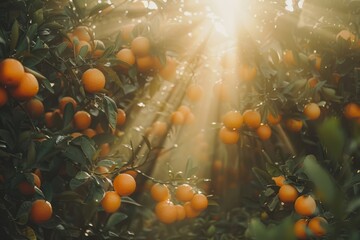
x: 346, y: 35
x: 81, y: 44
x: 159, y: 128
x: 140, y: 46
x: 65, y: 100
x: 252, y: 118
x: 124, y: 184
x: 312, y: 82
x: 294, y: 125
x: 41, y: 211
x: 305, y: 205
x: 120, y: 117
x: 75, y: 134
x: 145, y: 63
x: 49, y: 119
x: 102, y: 170
x: 190, y: 211
x: 35, y: 108
x: 247, y: 73
x: 89, y: 132
x: 288, y: 193
x: 3, y: 96
x: 318, y: 226
x: 93, y: 80
x: 126, y: 31
x: 177, y: 118
x: 180, y: 212
x: 160, y: 192
x: 352, y: 110
x: 315, y: 60
x: 194, y: 92
x: 274, y: 120
x: 289, y: 59
x: 279, y: 180
x: 166, y: 212
x: 312, y: 111
x: 264, y: 132
x: 232, y: 119
x: 184, y: 193
x: 82, y: 120
x: 300, y: 228
x: 127, y: 58
x: 111, y: 202
x: 185, y: 110
x: 199, y: 202
x: 229, y: 136
x: 168, y: 71
x: 190, y: 119
x: 104, y: 150
x: 221, y: 91
x: 27, y: 88
x: 28, y: 189
x: 11, y: 72
x: 83, y: 33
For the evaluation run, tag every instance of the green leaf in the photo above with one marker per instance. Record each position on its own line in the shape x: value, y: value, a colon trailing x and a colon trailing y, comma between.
x: 257, y: 229
x: 115, y: 219
x: 22, y: 214
x: 332, y: 137
x: 69, y: 196
x: 98, y: 8
x: 106, y: 163
x: 29, y: 233
x: 75, y: 154
x: 48, y: 86
x: 83, y: 51
x: 14, y: 36
x: 31, y: 155
x: 86, y: 145
x: 263, y: 177
x: 110, y: 111
x: 96, y: 193
x: 68, y: 115
x: 130, y: 201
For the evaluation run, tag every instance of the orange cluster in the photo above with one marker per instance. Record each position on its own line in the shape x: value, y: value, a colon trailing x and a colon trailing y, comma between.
x: 138, y: 54
x: 124, y: 185
x: 304, y: 205
x: 14, y: 81
x: 190, y: 204
x: 183, y: 115
x: 82, y: 36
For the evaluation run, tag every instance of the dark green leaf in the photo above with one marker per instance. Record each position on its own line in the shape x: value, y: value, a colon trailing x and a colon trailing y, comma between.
x: 22, y: 214
x: 110, y: 111
x: 130, y: 201
x: 115, y: 219
x: 14, y: 35
x: 75, y: 154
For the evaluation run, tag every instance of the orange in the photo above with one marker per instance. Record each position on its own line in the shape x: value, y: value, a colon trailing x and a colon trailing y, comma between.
x: 184, y: 193
x: 41, y: 211
x: 81, y: 44
x: 185, y: 110
x: 159, y: 128
x: 35, y: 108
x: 190, y: 211
x: 264, y: 132
x: 144, y: 64
x: 124, y: 184
x: 104, y: 150
x: 252, y: 118
x: 300, y: 228
x: 247, y: 73
x: 312, y: 111
x: 194, y: 92
x: 312, y: 82
x: 3, y: 96
x: 229, y: 136
x: 159, y: 192
x: 315, y: 60
x: 120, y: 117
x: 28, y: 189
x: 190, y: 118
x: 168, y: 71
x: 346, y: 35
x: 289, y: 59
x: 11, y: 72
x: 93, y: 80
x: 177, y: 118
x: 318, y: 226
x: 221, y: 91
x: 126, y: 31
x: 83, y: 33
x: 49, y: 119
x: 232, y: 119
x: 199, y: 202
x: 293, y: 125
x: 166, y: 212
x: 352, y: 110
x: 133, y: 173
x: 75, y: 134
x: 82, y: 120
x: 140, y: 46
x: 65, y: 100
x: 305, y: 205
x: 274, y: 120
x: 127, y: 58
x: 279, y: 180
x: 89, y: 132
x: 288, y: 193
x: 111, y: 202
x: 180, y: 212
x: 102, y: 170
x: 27, y: 88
